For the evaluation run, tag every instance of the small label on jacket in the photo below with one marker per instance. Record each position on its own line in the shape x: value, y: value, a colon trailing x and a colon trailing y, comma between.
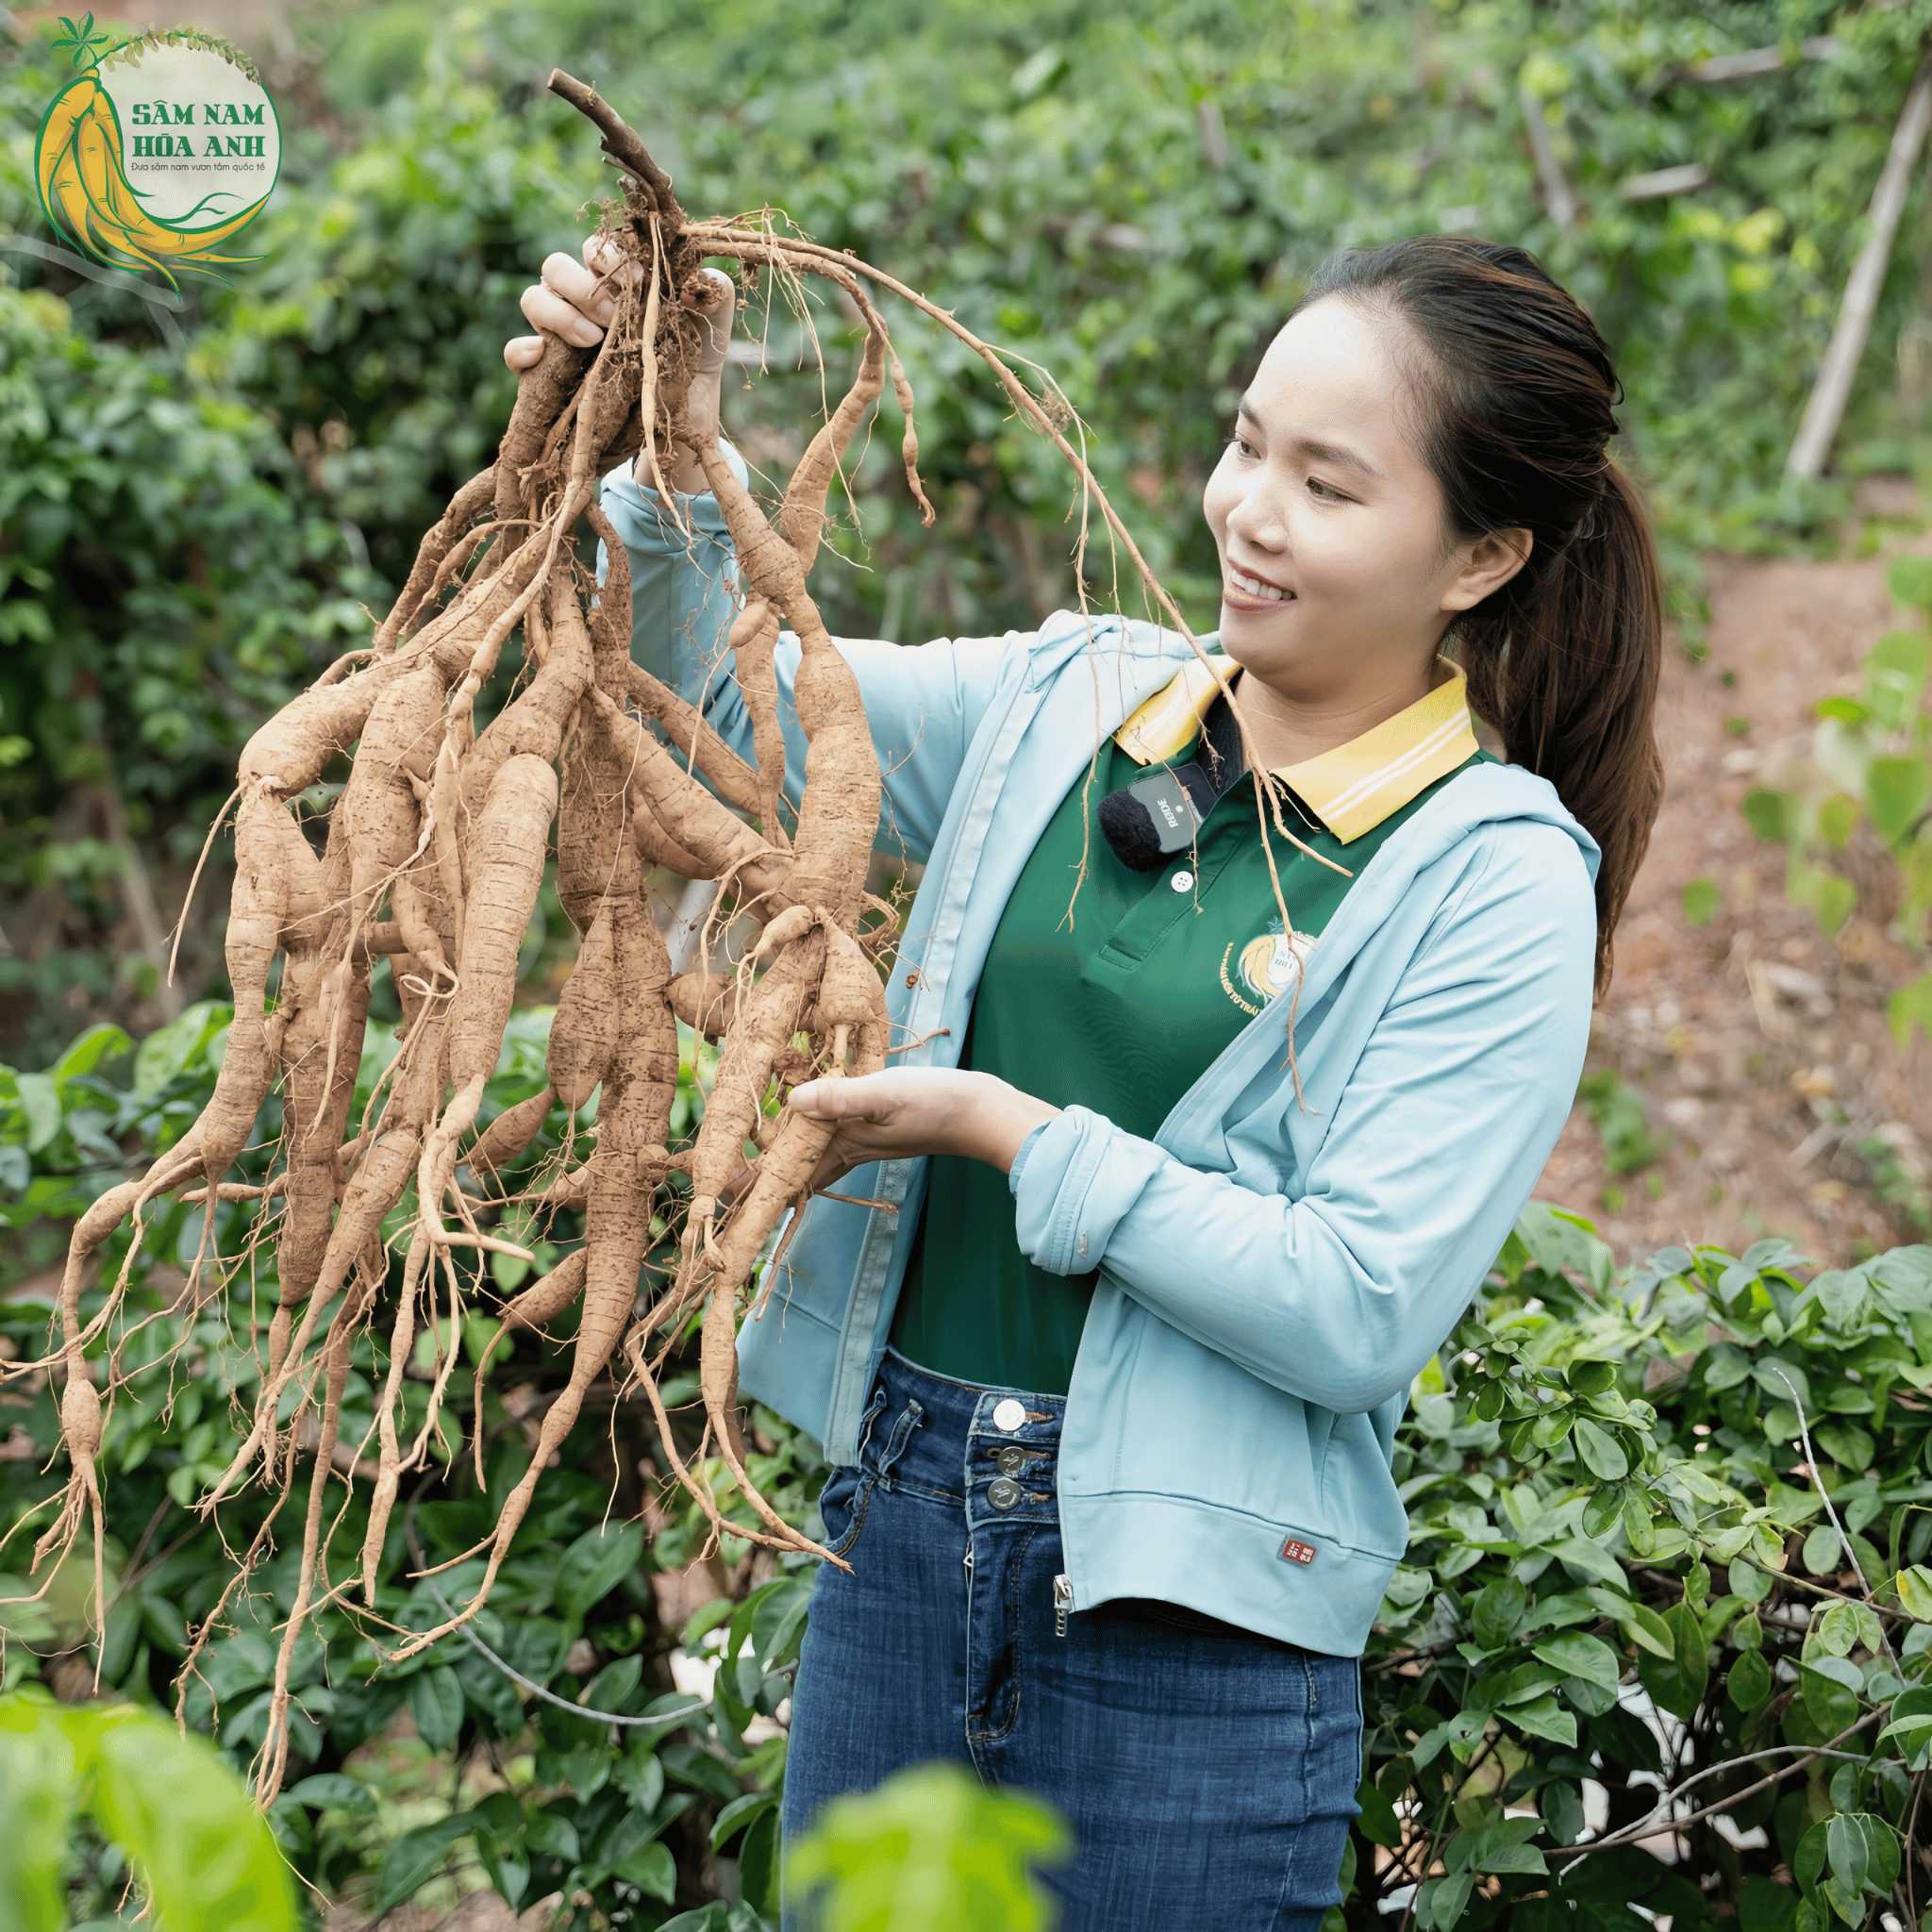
x: 1296, y: 1552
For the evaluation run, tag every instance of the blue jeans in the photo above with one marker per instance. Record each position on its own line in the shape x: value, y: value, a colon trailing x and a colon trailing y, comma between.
x: 1208, y: 1773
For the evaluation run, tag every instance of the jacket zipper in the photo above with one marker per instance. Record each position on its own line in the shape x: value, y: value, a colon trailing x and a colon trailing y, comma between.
x: 1062, y: 1603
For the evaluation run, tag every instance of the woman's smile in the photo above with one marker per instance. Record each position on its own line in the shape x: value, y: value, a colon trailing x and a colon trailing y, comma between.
x: 1241, y: 592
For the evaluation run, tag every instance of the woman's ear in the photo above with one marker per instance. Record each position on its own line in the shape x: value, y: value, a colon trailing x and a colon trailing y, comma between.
x: 1488, y: 564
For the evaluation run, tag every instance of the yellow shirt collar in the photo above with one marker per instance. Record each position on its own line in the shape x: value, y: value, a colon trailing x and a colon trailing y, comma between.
x: 1352, y: 787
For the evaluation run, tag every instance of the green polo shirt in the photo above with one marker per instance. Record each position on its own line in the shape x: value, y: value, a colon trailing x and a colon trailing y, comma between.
x: 1121, y: 1005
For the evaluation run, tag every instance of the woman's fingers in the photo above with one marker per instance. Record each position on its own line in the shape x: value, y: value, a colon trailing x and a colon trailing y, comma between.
x: 610, y: 270
x: 715, y: 303
x: 576, y: 300
x: 547, y: 307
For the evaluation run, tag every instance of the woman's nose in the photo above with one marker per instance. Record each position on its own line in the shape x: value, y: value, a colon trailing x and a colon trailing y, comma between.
x: 1255, y: 520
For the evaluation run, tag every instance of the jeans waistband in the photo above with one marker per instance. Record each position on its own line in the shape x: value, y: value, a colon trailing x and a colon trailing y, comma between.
x: 929, y: 1433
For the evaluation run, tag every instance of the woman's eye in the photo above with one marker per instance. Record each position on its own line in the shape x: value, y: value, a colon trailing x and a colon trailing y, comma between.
x: 1242, y: 443
x: 1316, y: 483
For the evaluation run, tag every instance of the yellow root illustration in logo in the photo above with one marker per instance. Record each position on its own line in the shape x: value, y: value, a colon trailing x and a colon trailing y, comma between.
x: 86, y: 192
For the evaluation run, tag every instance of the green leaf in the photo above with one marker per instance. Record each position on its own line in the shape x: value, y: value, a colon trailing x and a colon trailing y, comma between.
x: 1843, y: 1293
x: 206, y: 1855
x: 1678, y: 1685
x: 1821, y: 1550
x: 737, y: 1815
x: 1700, y: 899
x: 1378, y: 1821
x: 435, y: 1702
x: 1495, y: 1612
x: 85, y: 1053
x: 1772, y: 815
x: 1847, y: 1853
x: 40, y: 1104
x: 1502, y: 1846
x: 1896, y: 790
x: 1748, y: 1683
x: 932, y: 1832
x: 1543, y: 1717
x: 1603, y: 1510
x: 1847, y: 1444
x: 594, y: 1564
x: 1600, y: 1451
x: 1725, y: 1367
x: 1441, y: 1901
x: 651, y: 1869
x: 758, y: 1866
x: 1591, y: 1378
x: 1648, y: 1631
x: 1764, y: 1906
x: 1833, y: 1688
x: 1913, y: 1736
x: 172, y: 1049
x: 1577, y: 1655
x: 1836, y: 1633
x: 615, y: 1687
x: 1909, y: 582
x: 332, y: 1791
x: 1914, y: 1587
x: 1881, y: 1852
x: 416, y: 1858
x: 40, y: 1776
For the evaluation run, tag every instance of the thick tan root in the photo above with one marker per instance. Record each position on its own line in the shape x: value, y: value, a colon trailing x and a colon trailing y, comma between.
x: 436, y: 857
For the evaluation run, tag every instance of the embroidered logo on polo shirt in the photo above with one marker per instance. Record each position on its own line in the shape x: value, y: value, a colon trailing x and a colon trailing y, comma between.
x: 1293, y: 1551
x: 1265, y: 964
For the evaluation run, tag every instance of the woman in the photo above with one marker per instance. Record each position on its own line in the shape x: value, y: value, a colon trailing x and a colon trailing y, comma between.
x: 1109, y: 1349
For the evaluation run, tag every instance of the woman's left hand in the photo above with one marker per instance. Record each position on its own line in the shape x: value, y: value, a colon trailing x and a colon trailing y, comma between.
x: 905, y: 1111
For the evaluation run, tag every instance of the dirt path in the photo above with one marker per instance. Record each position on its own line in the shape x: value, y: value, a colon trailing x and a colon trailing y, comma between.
x: 1744, y: 1040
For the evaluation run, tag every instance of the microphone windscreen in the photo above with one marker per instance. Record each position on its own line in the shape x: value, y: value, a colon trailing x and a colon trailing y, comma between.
x: 1128, y: 828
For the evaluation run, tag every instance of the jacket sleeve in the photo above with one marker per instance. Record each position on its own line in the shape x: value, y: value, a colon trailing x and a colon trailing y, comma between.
x: 922, y: 701
x: 1342, y: 1294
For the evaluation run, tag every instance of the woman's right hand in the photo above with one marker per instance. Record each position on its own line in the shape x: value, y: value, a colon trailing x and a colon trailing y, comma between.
x: 575, y: 301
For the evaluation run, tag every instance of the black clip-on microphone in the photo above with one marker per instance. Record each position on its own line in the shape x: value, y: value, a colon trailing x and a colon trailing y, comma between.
x: 1161, y: 813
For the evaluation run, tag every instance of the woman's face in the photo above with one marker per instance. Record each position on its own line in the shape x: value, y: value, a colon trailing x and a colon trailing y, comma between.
x: 1353, y: 530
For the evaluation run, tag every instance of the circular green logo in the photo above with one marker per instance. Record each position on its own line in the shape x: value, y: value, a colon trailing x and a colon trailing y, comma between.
x: 157, y: 153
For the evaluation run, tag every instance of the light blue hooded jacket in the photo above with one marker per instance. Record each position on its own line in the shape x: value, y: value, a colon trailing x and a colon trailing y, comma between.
x: 1272, y: 1276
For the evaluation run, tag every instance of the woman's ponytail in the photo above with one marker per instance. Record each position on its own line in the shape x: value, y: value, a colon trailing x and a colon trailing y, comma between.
x: 1516, y: 393
x: 1567, y: 672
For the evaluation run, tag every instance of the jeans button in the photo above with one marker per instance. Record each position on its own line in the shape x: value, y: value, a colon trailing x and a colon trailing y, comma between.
x: 1003, y: 1494
x: 1008, y: 1413
x: 1011, y: 1460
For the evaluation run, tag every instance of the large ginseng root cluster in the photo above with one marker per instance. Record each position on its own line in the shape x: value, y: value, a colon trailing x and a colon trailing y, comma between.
x: 429, y: 866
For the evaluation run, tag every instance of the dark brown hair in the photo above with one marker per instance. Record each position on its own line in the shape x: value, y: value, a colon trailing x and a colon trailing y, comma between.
x: 1513, y: 390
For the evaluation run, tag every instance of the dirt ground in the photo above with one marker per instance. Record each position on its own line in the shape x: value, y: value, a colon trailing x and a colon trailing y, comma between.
x: 1756, y: 1048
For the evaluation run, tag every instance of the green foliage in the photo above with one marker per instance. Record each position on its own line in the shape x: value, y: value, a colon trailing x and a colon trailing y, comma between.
x: 201, y: 499
x: 201, y: 1853
x: 1869, y: 785
x: 1701, y: 898
x: 1632, y: 1145
x: 1622, y: 1568
x: 931, y: 1850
